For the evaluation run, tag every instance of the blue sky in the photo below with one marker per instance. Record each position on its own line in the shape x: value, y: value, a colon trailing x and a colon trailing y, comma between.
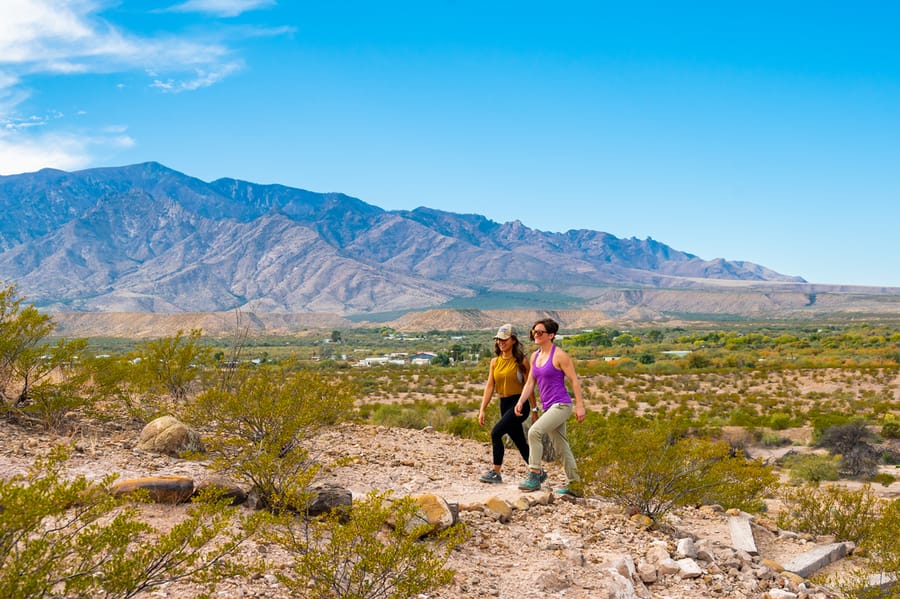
x: 767, y: 131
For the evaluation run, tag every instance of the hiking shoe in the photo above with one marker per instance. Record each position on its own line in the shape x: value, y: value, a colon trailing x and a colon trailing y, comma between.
x: 532, y: 483
x: 491, y: 476
x: 542, y: 476
x: 567, y: 491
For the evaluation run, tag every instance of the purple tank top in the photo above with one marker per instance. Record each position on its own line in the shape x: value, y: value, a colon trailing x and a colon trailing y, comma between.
x: 551, y: 381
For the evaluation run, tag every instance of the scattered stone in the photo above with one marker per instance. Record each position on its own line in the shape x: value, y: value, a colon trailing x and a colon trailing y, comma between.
x: 686, y: 548
x: 498, y: 509
x: 647, y: 572
x: 328, y: 497
x: 712, y: 509
x: 688, y: 568
x: 667, y: 566
x: 642, y: 521
x: 161, y: 489
x: 433, y: 511
x: 883, y: 581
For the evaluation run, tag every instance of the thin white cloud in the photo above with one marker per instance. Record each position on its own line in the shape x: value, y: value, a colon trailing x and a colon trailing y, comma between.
x: 66, y: 151
x: 222, y: 8
x: 200, y: 79
x: 69, y: 38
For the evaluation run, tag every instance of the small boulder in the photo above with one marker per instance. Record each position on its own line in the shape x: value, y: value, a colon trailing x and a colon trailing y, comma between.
x: 433, y: 511
x: 328, y: 497
x: 167, y: 435
x: 161, y: 489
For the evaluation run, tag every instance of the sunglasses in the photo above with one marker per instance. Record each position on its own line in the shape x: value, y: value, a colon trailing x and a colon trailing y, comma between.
x: 538, y: 333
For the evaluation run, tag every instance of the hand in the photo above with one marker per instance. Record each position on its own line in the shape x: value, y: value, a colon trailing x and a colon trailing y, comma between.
x: 481, y: 417
x: 579, y: 413
x: 518, y: 409
x: 534, y: 414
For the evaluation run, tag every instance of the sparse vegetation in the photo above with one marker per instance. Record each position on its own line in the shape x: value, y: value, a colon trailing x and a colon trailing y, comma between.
x: 655, y: 438
x: 374, y: 552
x: 71, y: 538
x: 651, y: 468
x: 259, y: 426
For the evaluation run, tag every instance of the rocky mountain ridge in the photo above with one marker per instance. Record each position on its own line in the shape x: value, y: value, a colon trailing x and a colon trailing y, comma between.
x: 148, y: 239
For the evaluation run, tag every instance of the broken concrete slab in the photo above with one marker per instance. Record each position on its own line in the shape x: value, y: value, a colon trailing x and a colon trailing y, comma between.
x: 742, y: 535
x: 817, y: 558
x: 883, y: 581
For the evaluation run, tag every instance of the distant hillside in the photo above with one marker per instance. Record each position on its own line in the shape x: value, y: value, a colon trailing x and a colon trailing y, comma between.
x: 148, y: 239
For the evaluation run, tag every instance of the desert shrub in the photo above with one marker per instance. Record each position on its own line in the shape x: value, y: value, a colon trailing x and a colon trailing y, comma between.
x: 439, y: 416
x: 745, y: 416
x: 811, y: 467
x: 170, y: 365
x: 823, y: 421
x: 51, y: 403
x: 23, y: 333
x: 884, y: 479
x: 258, y: 428
x: 468, y: 428
x: 374, y: 552
x: 400, y: 416
x: 40, y: 381
x: 780, y: 421
x: 771, y: 439
x: 651, y: 468
x: 851, y: 442
x: 70, y: 538
x: 831, y: 510
x: 891, y: 430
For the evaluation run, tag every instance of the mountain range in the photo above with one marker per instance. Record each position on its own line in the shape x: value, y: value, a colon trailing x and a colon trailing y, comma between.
x: 146, y: 238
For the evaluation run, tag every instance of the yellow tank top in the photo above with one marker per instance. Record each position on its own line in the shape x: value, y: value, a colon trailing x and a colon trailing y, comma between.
x: 506, y: 379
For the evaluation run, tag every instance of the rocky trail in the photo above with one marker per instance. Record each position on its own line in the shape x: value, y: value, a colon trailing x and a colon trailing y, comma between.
x: 522, y: 545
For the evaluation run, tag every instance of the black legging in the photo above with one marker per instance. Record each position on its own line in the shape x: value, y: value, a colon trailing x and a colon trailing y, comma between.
x: 510, y: 424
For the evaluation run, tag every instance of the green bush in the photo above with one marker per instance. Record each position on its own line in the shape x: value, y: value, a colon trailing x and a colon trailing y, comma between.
x: 40, y: 381
x: 170, y: 365
x: 780, y: 421
x: 400, y: 416
x: 859, y: 516
x: 260, y: 425
x: 651, y: 468
x: 891, y: 430
x: 374, y: 552
x: 831, y: 510
x: 884, y: 479
x: 468, y: 428
x: 770, y: 439
x: 71, y: 538
x: 811, y: 467
x: 851, y: 442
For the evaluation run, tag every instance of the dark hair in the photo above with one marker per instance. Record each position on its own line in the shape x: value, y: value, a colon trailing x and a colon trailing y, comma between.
x: 550, y: 326
x: 517, y: 352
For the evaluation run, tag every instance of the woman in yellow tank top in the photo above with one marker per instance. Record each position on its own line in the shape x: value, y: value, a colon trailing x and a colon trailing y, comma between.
x: 507, y: 375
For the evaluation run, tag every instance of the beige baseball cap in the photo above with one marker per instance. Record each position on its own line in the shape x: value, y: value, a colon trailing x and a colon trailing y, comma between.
x: 505, y: 332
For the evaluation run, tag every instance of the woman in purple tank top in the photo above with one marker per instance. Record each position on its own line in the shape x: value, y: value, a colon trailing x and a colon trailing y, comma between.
x: 550, y: 367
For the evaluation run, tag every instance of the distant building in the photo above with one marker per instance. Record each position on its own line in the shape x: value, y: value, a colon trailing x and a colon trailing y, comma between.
x: 677, y: 353
x: 374, y: 361
x: 421, y: 359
